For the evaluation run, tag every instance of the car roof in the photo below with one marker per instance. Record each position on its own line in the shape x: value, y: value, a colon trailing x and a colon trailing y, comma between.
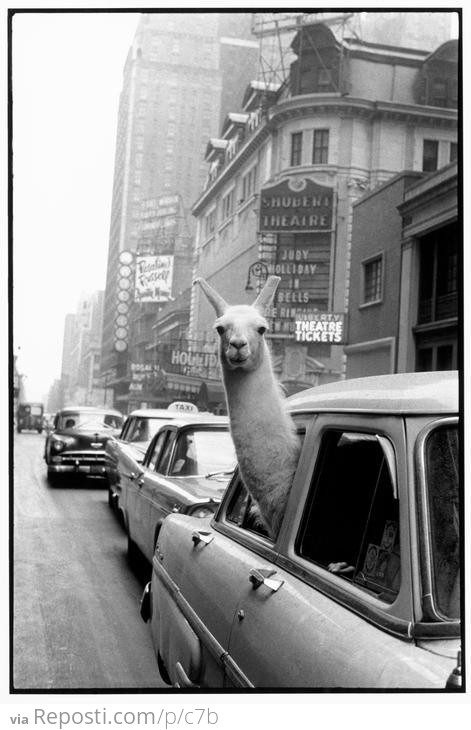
x: 199, y: 419
x: 88, y: 409
x: 405, y: 393
x: 154, y: 413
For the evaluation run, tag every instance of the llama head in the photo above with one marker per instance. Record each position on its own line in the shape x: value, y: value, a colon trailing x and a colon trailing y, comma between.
x: 241, y: 327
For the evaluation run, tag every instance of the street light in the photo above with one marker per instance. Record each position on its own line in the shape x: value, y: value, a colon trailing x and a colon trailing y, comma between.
x: 258, y: 270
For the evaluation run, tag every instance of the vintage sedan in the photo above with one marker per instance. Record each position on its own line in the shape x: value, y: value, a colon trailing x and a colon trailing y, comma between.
x: 136, y: 434
x: 77, y: 442
x: 361, y: 588
x: 185, y: 470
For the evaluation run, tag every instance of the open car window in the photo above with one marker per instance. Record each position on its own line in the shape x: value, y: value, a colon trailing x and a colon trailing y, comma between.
x: 351, y: 523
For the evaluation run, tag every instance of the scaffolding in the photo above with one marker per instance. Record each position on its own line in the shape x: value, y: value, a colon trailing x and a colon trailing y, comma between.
x: 276, y: 32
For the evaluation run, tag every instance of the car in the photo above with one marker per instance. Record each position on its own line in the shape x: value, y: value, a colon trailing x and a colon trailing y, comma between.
x: 185, y: 470
x: 29, y: 417
x: 136, y: 434
x: 361, y: 587
x: 77, y: 442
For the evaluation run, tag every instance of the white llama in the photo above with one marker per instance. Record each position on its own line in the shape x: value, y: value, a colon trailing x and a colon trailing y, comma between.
x: 263, y: 432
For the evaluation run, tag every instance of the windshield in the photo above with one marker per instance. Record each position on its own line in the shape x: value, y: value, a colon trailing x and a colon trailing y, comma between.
x: 442, y: 478
x: 200, y: 452
x: 89, y: 421
x: 143, y: 429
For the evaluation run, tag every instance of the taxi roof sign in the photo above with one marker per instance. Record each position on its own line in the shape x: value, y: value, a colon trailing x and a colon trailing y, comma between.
x: 183, y: 406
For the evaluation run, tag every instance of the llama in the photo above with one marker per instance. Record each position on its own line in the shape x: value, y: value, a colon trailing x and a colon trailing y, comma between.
x: 263, y: 432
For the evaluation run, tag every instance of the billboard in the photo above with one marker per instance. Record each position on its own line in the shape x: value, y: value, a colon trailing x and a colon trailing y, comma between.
x: 321, y: 327
x: 154, y: 275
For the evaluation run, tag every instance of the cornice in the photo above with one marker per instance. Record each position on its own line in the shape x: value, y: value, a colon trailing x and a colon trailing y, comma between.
x: 315, y: 104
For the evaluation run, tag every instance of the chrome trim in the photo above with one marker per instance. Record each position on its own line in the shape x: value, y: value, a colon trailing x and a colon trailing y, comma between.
x: 218, y: 652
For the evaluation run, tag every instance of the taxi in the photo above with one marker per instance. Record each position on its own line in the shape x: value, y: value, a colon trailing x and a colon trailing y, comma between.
x: 361, y: 588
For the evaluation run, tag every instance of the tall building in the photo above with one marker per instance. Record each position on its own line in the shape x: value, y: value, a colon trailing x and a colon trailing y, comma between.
x: 183, y: 72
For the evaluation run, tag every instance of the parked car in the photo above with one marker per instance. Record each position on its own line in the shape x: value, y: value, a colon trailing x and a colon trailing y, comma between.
x: 185, y: 469
x: 138, y: 430
x: 77, y: 442
x: 29, y: 417
x: 361, y: 588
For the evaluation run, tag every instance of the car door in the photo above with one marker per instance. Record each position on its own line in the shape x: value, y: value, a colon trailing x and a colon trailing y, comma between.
x: 146, y: 490
x: 195, y: 592
x: 335, y: 609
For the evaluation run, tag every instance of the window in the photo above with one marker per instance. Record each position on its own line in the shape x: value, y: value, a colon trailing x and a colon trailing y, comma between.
x: 157, y: 450
x: 438, y: 275
x: 453, y: 151
x: 296, y: 148
x: 249, y: 183
x: 373, y: 280
x: 439, y: 93
x: 430, y: 155
x: 442, y: 480
x: 227, y: 205
x: 351, y: 525
x: 324, y: 83
x: 243, y: 513
x: 320, y: 148
x: 209, y: 223
x: 162, y: 466
x: 200, y: 452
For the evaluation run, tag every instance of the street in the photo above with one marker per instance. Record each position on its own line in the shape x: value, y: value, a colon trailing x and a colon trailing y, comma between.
x: 76, y: 621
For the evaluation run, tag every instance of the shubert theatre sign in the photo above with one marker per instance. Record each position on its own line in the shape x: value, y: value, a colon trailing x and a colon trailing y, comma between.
x: 296, y: 205
x: 299, y: 214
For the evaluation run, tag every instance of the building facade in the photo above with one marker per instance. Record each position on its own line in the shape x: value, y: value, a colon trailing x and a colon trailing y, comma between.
x: 181, y: 72
x: 405, y: 274
x: 286, y: 171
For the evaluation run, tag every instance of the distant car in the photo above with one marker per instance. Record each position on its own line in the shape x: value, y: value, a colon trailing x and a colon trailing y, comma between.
x: 185, y: 469
x: 77, y: 442
x: 361, y: 588
x: 138, y: 430
x: 29, y: 417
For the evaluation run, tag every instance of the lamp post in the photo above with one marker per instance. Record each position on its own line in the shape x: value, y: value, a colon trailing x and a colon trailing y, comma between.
x: 259, y: 271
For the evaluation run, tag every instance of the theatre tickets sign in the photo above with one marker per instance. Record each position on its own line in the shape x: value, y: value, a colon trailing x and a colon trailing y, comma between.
x: 296, y: 205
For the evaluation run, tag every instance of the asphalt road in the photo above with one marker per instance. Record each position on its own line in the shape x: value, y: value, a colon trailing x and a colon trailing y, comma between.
x: 76, y: 622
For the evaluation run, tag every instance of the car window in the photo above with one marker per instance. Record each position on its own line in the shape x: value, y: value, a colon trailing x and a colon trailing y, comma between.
x: 157, y: 449
x: 351, y: 523
x: 442, y: 470
x: 200, y: 452
x: 243, y: 513
x: 87, y: 420
x: 162, y: 466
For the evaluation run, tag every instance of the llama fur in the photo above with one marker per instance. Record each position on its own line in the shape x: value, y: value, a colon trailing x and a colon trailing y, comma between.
x: 262, y: 430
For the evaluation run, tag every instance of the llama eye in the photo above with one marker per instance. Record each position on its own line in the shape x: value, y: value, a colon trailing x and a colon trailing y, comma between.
x: 261, y: 330
x: 220, y: 330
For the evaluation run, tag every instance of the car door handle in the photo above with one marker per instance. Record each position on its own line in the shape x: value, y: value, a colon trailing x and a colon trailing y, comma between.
x: 201, y: 536
x: 183, y: 678
x: 262, y: 576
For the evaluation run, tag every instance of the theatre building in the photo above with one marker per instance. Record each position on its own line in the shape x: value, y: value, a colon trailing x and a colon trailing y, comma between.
x: 284, y: 175
x: 403, y: 308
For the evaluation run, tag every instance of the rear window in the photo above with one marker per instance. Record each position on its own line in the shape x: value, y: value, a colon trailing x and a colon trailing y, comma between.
x: 202, y: 452
x: 442, y: 479
x: 80, y: 420
x: 143, y: 429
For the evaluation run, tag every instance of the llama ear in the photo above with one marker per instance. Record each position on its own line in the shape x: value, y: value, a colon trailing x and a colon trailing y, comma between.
x: 266, y: 295
x: 214, y: 298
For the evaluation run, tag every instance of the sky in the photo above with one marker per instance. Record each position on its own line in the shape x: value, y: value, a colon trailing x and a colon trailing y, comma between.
x: 67, y: 77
